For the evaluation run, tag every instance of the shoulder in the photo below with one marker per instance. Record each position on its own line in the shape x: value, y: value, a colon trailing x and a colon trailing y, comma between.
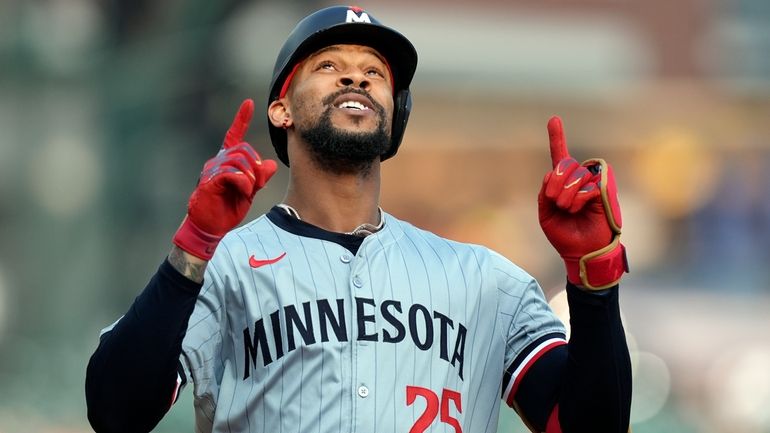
x: 506, y: 269
x: 408, y: 232
x: 486, y: 258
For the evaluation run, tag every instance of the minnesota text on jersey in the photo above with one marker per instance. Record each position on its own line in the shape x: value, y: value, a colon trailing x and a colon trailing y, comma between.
x: 330, y: 323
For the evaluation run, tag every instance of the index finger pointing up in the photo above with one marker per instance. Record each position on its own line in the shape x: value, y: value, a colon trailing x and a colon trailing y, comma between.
x: 237, y: 131
x: 558, y: 141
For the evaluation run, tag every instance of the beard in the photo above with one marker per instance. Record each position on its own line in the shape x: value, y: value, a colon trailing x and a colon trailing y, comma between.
x: 343, y: 152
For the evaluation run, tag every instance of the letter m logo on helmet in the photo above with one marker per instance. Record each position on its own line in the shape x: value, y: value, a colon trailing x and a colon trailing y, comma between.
x: 354, y: 17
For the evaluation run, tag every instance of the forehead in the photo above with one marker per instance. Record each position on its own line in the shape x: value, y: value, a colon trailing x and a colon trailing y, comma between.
x: 304, y: 68
x: 346, y: 49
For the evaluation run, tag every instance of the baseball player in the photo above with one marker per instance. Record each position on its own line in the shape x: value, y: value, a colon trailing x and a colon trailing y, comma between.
x: 327, y: 314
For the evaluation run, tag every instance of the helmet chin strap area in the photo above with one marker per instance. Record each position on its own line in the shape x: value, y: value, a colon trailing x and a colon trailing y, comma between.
x: 362, y: 230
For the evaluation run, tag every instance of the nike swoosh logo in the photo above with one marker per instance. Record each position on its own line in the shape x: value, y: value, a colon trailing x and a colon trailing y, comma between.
x: 255, y: 263
x: 573, y: 183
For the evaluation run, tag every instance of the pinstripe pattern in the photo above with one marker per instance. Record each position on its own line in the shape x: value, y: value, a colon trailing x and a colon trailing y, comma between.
x: 286, y: 347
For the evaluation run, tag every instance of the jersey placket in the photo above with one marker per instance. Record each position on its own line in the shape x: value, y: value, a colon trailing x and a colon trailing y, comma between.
x: 363, y: 360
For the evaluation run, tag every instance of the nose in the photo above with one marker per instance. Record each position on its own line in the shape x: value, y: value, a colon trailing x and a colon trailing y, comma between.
x: 354, y: 78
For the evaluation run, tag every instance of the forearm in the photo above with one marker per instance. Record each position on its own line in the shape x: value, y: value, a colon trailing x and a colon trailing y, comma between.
x: 132, y: 374
x: 596, y: 391
x: 187, y: 264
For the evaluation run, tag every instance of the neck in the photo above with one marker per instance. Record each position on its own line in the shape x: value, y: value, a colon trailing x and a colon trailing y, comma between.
x: 334, y: 202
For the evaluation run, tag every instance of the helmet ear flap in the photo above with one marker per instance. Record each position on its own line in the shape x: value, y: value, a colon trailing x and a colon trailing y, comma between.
x: 403, y: 106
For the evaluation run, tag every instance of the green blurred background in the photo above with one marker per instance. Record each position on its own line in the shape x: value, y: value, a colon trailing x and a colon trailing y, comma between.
x: 109, y: 109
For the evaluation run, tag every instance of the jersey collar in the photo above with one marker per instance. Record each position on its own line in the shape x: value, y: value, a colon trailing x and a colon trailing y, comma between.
x: 282, y: 219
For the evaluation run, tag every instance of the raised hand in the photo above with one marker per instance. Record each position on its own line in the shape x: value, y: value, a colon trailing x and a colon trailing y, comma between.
x: 225, y: 189
x: 580, y: 215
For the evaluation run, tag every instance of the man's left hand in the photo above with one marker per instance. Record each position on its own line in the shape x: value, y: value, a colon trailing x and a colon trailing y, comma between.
x: 580, y: 215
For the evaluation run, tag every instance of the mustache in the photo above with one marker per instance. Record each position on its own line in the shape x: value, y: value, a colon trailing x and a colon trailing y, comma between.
x: 329, y: 99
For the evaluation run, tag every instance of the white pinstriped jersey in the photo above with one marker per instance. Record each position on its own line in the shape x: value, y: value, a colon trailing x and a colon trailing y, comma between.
x: 294, y: 333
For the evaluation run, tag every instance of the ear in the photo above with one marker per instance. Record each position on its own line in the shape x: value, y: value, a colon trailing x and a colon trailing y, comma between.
x: 279, y: 114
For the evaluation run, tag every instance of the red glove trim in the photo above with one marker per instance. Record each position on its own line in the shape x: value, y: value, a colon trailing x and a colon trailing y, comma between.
x: 195, y: 241
x: 600, y: 269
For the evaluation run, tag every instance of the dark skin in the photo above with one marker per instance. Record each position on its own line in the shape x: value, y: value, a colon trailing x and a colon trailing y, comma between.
x: 337, y: 202
x: 333, y: 201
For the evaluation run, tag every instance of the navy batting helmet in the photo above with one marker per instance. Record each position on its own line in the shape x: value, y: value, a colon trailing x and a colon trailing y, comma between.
x: 347, y: 25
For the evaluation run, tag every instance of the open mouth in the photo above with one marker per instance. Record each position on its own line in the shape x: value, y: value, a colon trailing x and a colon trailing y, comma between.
x: 353, y: 102
x: 353, y: 105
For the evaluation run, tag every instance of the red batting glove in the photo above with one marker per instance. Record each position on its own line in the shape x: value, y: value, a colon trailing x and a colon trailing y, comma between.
x: 225, y: 190
x: 580, y: 215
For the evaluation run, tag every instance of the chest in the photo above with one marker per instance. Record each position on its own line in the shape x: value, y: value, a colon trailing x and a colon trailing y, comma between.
x: 383, y: 335
x: 400, y: 297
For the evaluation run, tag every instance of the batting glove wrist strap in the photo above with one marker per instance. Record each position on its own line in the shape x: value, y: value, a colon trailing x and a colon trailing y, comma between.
x: 191, y: 238
x: 600, y: 269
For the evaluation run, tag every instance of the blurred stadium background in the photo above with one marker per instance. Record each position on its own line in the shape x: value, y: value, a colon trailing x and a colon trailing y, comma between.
x: 108, y: 110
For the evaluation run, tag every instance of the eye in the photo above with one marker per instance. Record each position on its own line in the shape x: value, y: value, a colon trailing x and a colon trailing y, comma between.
x: 375, y: 72
x: 327, y: 65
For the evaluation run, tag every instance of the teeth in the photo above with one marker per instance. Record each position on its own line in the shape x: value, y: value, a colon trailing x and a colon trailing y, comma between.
x: 353, y: 104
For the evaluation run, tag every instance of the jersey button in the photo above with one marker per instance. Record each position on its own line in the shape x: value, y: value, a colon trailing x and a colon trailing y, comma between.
x: 357, y: 282
x: 363, y: 391
x: 345, y: 258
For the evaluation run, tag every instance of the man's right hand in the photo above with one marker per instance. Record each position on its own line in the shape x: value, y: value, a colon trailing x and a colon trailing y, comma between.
x: 225, y: 190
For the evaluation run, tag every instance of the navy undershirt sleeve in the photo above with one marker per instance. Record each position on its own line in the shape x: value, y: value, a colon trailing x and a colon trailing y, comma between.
x: 590, y: 377
x: 132, y: 375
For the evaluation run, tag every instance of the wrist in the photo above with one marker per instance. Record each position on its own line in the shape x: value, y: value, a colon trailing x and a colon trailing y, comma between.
x: 195, y: 241
x: 600, y: 269
x: 187, y: 264
x: 572, y: 265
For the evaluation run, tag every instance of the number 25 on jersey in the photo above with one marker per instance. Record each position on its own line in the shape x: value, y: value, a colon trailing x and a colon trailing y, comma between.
x: 432, y: 408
